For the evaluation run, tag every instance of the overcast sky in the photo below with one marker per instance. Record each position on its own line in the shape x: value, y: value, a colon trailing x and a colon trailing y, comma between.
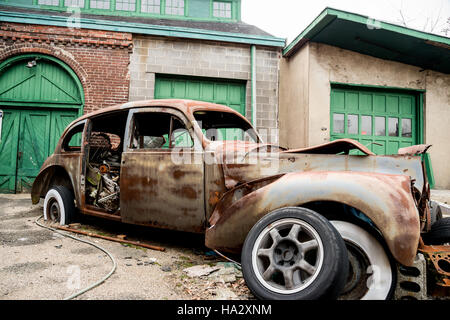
x: 287, y: 18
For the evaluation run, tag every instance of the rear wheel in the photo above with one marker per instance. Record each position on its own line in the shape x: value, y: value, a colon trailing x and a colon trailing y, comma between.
x: 293, y: 254
x: 371, y: 273
x: 59, y: 205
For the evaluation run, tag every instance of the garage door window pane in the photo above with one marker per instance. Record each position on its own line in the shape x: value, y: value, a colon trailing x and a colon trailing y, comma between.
x: 352, y: 122
x: 393, y: 127
x: 406, y: 128
x: 366, y: 125
x: 380, y: 126
x: 338, y: 123
x: 126, y: 5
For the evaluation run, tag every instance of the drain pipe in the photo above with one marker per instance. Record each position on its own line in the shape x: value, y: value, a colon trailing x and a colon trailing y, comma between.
x: 253, y: 82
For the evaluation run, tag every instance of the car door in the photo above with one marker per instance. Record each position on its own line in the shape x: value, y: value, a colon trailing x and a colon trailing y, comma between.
x: 162, y: 171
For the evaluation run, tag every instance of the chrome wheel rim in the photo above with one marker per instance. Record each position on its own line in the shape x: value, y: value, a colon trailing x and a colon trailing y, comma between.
x: 54, y: 211
x: 287, y: 256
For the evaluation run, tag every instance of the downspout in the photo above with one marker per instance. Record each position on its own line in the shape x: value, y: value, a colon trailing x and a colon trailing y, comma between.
x: 253, y: 82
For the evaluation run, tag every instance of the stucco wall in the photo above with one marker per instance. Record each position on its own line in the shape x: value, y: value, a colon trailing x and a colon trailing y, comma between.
x: 153, y: 55
x: 331, y: 64
x: 294, y: 113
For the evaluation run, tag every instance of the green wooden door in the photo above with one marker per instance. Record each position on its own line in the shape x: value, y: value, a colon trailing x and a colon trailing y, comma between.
x: 28, y: 138
x: 383, y: 121
x: 33, y: 147
x: 39, y: 96
x: 8, y: 150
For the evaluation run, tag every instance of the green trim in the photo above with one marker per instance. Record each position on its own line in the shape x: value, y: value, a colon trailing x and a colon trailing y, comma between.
x: 333, y: 83
x: 421, y: 133
x: 315, y: 27
x: 136, y: 13
x: 253, y: 83
x: 139, y: 28
x: 330, y: 14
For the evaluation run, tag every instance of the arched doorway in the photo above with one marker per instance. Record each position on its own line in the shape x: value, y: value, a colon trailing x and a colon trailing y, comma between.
x: 39, y: 96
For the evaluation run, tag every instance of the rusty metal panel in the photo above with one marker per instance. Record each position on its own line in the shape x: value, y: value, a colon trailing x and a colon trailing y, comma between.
x: 271, y: 164
x: 158, y: 192
x: 385, y: 199
x: 417, y: 149
x: 214, y: 184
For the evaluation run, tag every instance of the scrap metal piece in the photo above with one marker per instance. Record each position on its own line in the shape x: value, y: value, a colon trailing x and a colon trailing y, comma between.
x: 439, y: 260
x: 412, y: 150
x: 334, y: 147
x: 91, y: 234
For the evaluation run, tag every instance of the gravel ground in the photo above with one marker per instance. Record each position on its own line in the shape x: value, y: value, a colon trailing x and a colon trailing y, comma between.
x: 40, y: 264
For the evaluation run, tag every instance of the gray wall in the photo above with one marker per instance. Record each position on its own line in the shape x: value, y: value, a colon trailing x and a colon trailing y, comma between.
x: 153, y: 55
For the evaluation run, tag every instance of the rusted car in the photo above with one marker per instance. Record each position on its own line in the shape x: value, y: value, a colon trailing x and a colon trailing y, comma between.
x: 309, y: 223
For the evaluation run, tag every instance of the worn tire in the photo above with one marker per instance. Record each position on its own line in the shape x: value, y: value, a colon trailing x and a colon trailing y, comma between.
x: 59, y: 205
x: 439, y: 233
x: 436, y: 213
x: 372, y: 273
x: 279, y: 271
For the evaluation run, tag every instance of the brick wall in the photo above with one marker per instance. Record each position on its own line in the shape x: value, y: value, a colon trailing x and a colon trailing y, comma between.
x: 155, y: 55
x: 99, y: 58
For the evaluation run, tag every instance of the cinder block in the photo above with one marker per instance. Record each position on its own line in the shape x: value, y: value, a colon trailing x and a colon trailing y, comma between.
x: 412, y: 281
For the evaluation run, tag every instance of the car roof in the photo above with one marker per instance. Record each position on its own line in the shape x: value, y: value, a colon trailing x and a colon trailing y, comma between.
x: 185, y: 106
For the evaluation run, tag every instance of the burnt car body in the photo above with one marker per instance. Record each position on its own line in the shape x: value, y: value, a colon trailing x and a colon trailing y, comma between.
x: 160, y: 163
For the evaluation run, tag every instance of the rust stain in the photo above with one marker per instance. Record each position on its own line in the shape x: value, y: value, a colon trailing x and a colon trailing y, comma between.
x: 177, y: 174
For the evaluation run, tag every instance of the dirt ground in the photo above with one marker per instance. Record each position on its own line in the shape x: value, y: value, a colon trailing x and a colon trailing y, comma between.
x: 37, y: 263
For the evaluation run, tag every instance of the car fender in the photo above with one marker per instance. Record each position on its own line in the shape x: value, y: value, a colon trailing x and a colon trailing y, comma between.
x: 384, y: 198
x: 42, y: 182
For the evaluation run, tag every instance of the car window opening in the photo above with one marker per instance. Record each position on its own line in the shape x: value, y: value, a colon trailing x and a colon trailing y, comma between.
x: 152, y: 131
x: 225, y: 126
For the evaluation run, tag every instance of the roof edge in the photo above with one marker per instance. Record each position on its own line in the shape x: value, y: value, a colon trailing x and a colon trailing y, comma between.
x: 330, y: 14
x: 140, y: 28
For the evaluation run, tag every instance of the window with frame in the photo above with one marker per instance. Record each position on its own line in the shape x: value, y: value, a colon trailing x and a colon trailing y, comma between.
x: 151, y: 6
x: 222, y: 9
x: 72, y: 140
x: 74, y: 3
x: 175, y: 7
x: 99, y: 4
x: 157, y: 130
x: 49, y: 2
x: 126, y: 5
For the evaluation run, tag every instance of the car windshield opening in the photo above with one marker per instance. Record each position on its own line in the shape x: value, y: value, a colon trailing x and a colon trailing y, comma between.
x: 225, y: 126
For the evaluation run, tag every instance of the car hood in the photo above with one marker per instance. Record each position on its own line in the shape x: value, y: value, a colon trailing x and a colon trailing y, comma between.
x: 245, y: 161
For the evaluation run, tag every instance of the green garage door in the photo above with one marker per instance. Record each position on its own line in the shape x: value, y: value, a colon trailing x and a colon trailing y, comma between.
x: 231, y: 94
x: 38, y: 100
x: 381, y: 120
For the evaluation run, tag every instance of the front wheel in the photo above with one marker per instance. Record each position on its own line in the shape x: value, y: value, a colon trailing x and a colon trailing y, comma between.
x: 59, y: 205
x: 294, y: 254
x: 371, y: 273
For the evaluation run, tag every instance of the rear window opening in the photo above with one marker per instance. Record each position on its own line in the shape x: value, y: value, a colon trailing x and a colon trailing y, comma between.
x: 105, y: 143
x: 225, y: 126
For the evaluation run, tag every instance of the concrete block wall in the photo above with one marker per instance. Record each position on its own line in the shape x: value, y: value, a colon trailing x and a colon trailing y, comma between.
x: 196, y: 58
